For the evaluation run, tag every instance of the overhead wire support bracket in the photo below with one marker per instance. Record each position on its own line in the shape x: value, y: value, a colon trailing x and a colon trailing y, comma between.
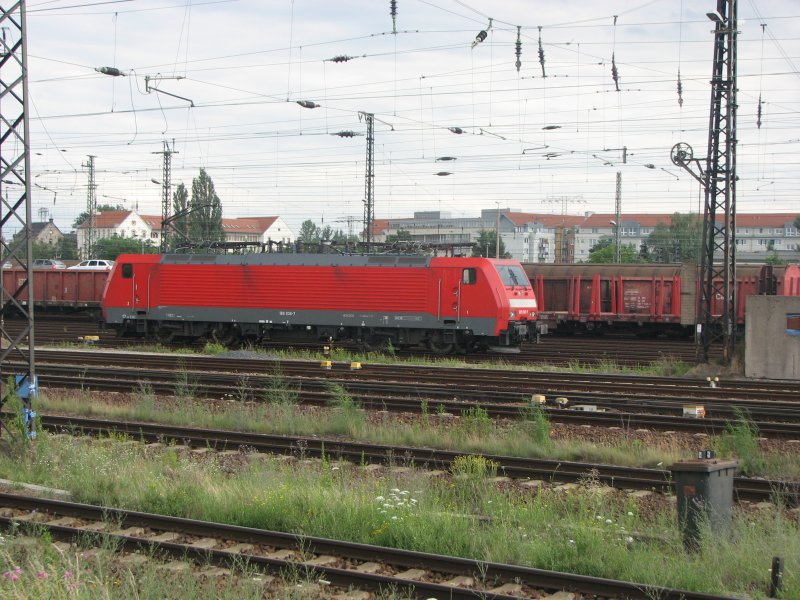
x: 157, y: 78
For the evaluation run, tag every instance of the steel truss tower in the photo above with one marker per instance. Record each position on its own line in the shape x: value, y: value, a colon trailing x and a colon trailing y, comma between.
x: 15, y: 207
x: 166, y: 193
x: 716, y: 311
x: 369, y: 179
x: 91, y: 210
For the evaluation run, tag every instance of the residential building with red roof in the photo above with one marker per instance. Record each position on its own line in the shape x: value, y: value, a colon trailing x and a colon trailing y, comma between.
x: 147, y: 228
x: 546, y: 237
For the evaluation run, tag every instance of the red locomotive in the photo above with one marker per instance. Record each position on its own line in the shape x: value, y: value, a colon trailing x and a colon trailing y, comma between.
x: 644, y: 298
x: 447, y: 304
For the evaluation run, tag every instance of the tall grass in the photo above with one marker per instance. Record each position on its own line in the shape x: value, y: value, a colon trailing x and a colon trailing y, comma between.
x: 581, y: 531
x: 528, y: 436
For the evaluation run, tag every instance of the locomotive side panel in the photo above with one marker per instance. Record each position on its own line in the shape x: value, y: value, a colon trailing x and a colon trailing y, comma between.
x: 254, y: 296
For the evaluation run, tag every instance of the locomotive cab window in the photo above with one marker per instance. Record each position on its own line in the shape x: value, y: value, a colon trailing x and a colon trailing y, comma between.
x: 127, y: 271
x: 469, y: 276
x: 513, y: 276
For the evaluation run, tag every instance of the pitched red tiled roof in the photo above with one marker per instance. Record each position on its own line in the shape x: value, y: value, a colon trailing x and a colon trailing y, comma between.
x: 765, y: 219
x: 379, y: 226
x: 109, y: 218
x: 248, y: 224
x: 548, y: 220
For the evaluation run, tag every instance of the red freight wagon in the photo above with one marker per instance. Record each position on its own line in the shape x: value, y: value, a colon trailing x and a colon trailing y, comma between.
x: 445, y: 303
x: 61, y: 290
x: 641, y: 297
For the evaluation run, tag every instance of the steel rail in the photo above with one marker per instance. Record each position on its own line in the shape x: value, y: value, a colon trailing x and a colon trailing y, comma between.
x: 403, y: 397
x: 619, y: 477
x: 538, y: 579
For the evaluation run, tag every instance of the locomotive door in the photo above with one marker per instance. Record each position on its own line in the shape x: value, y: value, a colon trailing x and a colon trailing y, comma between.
x: 140, y: 286
x: 450, y: 296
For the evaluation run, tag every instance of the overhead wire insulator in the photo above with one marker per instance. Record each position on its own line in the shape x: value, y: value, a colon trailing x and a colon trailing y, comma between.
x: 347, y: 133
x: 518, y: 51
x: 614, y: 72
x: 308, y: 104
x: 393, y: 12
x: 446, y: 158
x: 541, y: 52
x: 482, y: 34
x: 758, y: 114
x: 456, y: 130
x: 341, y: 58
x: 113, y: 71
x: 680, y: 89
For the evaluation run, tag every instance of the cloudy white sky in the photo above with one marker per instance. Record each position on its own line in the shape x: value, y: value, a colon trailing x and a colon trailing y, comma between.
x: 538, y: 144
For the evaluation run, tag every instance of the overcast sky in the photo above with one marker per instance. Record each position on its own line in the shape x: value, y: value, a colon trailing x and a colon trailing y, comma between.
x: 534, y: 143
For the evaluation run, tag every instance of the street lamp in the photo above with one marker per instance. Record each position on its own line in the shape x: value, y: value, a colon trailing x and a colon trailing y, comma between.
x: 616, y: 240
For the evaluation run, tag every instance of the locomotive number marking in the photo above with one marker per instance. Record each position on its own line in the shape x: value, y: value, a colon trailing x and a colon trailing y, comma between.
x: 287, y: 313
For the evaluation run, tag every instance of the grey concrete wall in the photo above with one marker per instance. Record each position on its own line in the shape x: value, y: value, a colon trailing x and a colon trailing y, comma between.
x: 771, y: 351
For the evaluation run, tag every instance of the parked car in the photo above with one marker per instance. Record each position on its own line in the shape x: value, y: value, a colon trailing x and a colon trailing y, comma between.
x: 48, y: 263
x: 93, y: 264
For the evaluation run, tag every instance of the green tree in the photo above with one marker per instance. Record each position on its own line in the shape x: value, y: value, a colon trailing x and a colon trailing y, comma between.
x: 627, y: 254
x: 309, y: 232
x: 401, y: 236
x: 775, y: 259
x: 677, y: 242
x: 486, y: 245
x: 180, y: 204
x: 101, y: 208
x: 340, y: 237
x: 68, y: 247
x: 110, y: 248
x: 205, y: 223
x: 603, y: 243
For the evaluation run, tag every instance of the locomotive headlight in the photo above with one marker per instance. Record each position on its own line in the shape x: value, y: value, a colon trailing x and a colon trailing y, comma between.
x: 512, y: 314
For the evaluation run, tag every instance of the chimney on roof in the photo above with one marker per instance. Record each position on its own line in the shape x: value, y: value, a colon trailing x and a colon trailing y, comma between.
x: 588, y: 213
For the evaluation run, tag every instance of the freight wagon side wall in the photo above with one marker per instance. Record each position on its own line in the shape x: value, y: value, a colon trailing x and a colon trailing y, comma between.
x: 59, y: 288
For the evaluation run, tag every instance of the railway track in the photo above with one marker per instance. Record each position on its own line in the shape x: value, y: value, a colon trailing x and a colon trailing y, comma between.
x: 521, y: 468
x: 629, y: 402
x: 552, y: 350
x: 340, y: 563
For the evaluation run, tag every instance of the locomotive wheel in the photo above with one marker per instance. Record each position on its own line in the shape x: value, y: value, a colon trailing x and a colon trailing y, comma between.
x: 227, y: 335
x: 438, y: 346
x: 376, y: 343
x: 165, y: 335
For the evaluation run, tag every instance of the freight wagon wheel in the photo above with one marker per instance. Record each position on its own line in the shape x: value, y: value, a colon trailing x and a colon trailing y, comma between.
x: 227, y: 335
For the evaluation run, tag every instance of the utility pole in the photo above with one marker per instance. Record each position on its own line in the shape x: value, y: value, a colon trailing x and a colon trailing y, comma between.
x: 369, y: 179
x: 718, y: 279
x: 91, y: 210
x: 618, y: 213
x: 166, y: 193
x: 15, y: 209
x: 497, y: 233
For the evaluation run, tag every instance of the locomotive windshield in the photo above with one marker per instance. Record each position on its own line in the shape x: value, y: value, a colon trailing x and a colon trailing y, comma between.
x: 513, y: 275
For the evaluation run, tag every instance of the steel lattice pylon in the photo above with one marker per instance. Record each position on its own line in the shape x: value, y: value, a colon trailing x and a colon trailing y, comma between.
x: 716, y: 311
x: 369, y: 179
x: 15, y: 204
